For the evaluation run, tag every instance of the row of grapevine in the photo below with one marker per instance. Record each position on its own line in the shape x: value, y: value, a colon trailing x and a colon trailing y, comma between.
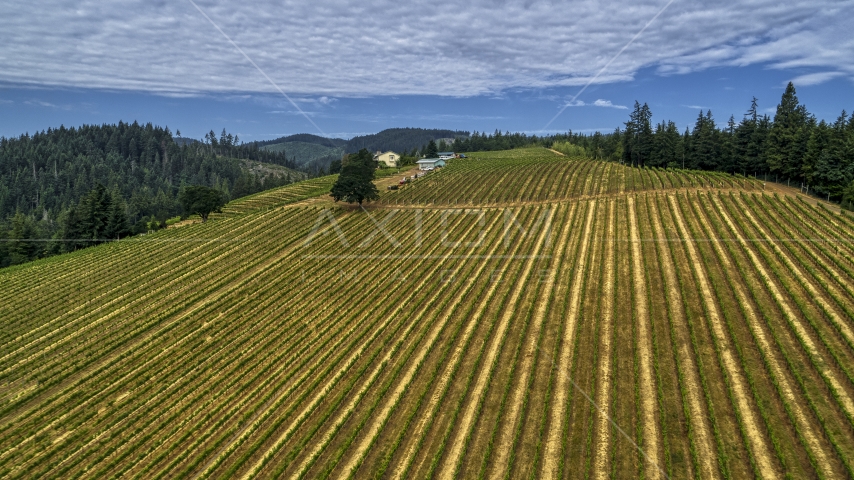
x: 591, y: 320
x: 538, y: 175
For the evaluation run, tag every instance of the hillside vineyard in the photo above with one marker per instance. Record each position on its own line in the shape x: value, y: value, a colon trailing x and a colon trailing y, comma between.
x: 518, y: 314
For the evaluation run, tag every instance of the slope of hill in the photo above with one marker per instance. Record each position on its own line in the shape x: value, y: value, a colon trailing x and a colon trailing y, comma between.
x: 400, y: 139
x: 303, y: 153
x: 518, y: 314
x: 306, y: 138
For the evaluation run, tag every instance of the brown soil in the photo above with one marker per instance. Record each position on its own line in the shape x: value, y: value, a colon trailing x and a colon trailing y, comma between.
x: 761, y: 451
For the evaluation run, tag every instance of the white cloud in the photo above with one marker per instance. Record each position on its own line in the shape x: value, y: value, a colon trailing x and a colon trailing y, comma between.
x: 576, y: 103
x: 815, y: 78
x: 607, y: 103
x: 42, y: 103
x: 334, y: 48
x: 597, y: 103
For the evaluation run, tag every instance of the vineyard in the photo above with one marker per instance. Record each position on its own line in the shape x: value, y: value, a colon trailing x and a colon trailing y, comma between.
x: 516, y: 315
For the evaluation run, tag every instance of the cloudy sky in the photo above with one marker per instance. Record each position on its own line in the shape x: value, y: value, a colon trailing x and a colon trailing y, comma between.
x: 267, y: 68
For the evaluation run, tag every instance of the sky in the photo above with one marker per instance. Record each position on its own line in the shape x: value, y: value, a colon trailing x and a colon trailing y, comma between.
x: 265, y: 69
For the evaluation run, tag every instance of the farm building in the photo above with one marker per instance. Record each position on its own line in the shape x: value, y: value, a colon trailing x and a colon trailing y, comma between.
x: 430, y: 163
x: 445, y: 155
x: 389, y: 158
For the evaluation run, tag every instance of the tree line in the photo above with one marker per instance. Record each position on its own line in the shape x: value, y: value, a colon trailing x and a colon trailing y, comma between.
x: 793, y: 146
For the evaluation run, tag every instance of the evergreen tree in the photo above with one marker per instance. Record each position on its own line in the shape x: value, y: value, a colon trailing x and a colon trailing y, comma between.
x: 22, y: 245
x: 666, y: 146
x: 787, y: 138
x: 687, y: 159
x: 745, y: 148
x: 432, y: 150
x: 638, y: 137
x: 848, y: 197
x: 727, y: 143
x: 705, y: 144
x: 117, y: 221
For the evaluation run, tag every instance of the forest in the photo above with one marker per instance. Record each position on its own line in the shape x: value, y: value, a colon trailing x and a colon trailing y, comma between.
x: 129, y: 172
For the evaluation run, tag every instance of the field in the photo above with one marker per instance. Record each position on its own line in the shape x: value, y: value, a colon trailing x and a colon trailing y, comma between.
x: 517, y: 315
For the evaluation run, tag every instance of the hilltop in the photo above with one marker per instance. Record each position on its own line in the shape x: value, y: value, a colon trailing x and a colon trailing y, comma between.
x: 515, y: 314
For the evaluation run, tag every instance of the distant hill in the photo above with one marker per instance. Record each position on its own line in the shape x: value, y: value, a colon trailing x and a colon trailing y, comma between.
x: 400, y: 139
x: 303, y: 153
x: 306, y: 138
x: 306, y: 149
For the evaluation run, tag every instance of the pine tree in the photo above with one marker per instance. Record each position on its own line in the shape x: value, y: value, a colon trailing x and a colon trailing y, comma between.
x: 638, y: 137
x: 22, y: 246
x: 705, y: 143
x: 747, y: 142
x: 787, y: 137
x: 432, y: 150
x: 117, y: 221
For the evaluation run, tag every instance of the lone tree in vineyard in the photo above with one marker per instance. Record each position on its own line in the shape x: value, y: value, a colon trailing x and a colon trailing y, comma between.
x: 356, y: 181
x: 202, y: 201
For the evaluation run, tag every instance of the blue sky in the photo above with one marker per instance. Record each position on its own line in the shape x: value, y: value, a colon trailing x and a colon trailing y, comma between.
x: 356, y: 68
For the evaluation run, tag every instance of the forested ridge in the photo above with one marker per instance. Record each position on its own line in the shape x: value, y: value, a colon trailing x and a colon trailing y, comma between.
x: 127, y: 169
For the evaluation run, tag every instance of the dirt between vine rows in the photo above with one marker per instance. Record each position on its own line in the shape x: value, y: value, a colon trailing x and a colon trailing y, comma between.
x: 325, y: 200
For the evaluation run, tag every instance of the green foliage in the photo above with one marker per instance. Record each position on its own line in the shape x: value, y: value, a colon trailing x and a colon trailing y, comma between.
x: 788, y: 135
x: 848, y: 197
x: 638, y: 138
x: 20, y: 242
x: 706, y: 148
x: 570, y: 149
x: 355, y: 184
x: 202, y: 201
x: 432, y: 151
x: 98, y: 217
